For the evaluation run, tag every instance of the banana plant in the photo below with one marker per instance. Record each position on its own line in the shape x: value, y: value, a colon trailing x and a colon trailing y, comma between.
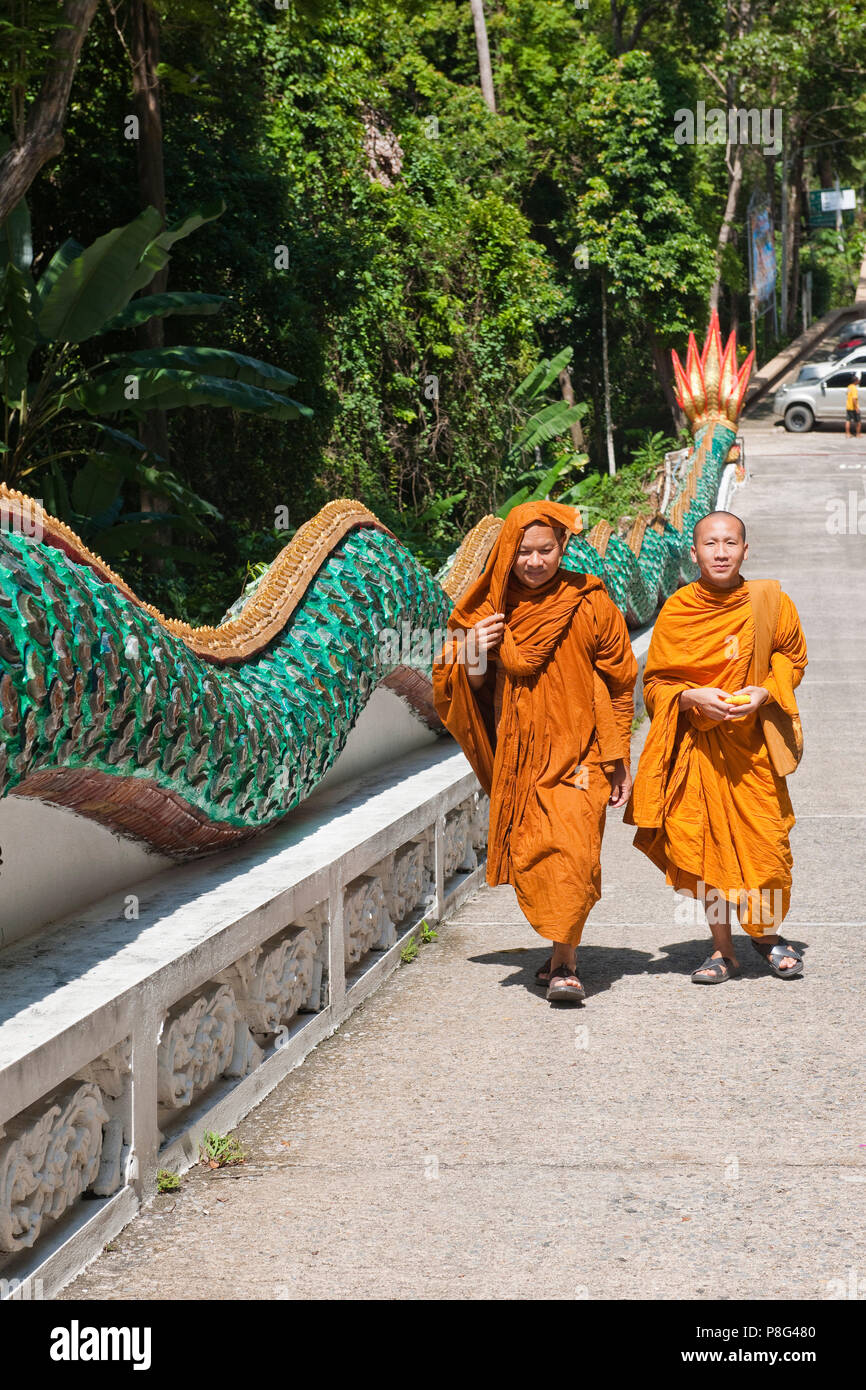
x: 57, y: 413
x: 548, y: 422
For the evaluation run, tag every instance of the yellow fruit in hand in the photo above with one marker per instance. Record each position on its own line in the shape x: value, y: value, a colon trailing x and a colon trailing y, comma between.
x: 738, y: 699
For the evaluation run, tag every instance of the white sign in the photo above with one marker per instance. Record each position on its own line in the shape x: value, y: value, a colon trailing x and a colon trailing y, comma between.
x: 838, y: 200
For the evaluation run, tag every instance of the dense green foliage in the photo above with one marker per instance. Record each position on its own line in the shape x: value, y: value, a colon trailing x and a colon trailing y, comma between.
x: 410, y: 256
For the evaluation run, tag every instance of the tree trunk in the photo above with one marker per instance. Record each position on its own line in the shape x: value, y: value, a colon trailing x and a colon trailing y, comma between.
x: 616, y: 14
x: 726, y: 231
x: 567, y: 390
x: 665, y: 372
x: 144, y: 51
x: 42, y: 137
x: 608, y: 423
x: 795, y: 211
x: 484, y: 68
x: 825, y: 168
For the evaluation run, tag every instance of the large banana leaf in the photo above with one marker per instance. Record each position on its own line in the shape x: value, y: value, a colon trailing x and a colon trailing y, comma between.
x: 129, y: 445
x: 16, y: 242
x: 553, y: 368
x: 98, y: 283
x: 156, y: 254
x: 545, y: 483
x: 548, y: 424
x: 93, y: 506
x: 160, y: 481
x: 63, y: 257
x: 541, y: 376
x: 95, y: 489
x: 160, y: 388
x: 210, y: 361
x: 159, y: 306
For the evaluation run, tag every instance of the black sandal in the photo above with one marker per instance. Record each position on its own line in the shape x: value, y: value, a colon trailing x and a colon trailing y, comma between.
x: 558, y: 989
x: 776, y: 953
x: 722, y: 968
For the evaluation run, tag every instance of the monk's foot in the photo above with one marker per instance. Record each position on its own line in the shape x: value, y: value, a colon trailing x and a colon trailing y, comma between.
x: 542, y: 974
x: 564, y: 983
x: 768, y: 942
x: 719, y: 955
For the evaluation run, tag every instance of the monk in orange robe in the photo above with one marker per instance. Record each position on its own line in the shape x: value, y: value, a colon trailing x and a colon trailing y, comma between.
x: 712, y: 810
x: 536, y: 685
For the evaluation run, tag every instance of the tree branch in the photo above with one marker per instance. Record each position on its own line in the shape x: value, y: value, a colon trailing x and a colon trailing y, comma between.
x: 42, y: 138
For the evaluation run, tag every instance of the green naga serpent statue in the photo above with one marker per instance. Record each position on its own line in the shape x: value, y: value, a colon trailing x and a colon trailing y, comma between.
x: 190, y: 739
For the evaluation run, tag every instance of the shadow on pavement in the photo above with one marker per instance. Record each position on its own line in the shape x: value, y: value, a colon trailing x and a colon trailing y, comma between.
x: 599, y: 967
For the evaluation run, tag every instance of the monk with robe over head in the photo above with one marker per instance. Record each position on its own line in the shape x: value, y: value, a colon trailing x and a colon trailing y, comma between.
x: 536, y: 684
x: 710, y: 798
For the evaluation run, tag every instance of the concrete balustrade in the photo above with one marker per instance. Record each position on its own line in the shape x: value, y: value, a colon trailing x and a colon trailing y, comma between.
x: 171, y: 1007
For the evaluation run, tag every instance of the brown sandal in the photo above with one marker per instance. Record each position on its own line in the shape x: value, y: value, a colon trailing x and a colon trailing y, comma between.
x: 560, y: 989
x: 542, y: 974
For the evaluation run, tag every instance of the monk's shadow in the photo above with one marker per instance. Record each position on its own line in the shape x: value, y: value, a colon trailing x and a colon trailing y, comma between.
x: 599, y: 967
x: 684, y: 957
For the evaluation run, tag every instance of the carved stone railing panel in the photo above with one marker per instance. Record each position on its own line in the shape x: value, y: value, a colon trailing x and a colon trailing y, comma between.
x: 112, y: 1073
x: 49, y: 1155
x: 316, y: 921
x: 202, y: 1039
x: 224, y: 1030
x: 367, y: 924
x: 459, y: 849
x: 412, y: 880
x: 407, y: 875
x: 280, y: 978
x: 480, y: 819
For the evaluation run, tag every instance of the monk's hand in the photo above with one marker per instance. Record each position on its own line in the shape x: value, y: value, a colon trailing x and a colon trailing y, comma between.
x: 620, y: 784
x: 707, y: 700
x: 486, y: 636
x: 757, y: 694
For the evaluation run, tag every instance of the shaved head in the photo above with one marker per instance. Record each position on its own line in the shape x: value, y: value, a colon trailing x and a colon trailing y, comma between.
x: 709, y: 517
x: 719, y: 547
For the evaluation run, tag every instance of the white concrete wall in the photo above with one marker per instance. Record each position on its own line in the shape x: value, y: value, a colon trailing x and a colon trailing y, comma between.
x: 386, y: 729
x: 55, y: 862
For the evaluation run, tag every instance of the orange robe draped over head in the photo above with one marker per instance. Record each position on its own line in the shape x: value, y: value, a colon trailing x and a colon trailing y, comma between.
x: 710, y: 807
x: 554, y: 711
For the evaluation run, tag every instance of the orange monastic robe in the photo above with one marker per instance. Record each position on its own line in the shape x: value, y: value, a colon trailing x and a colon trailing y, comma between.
x: 555, y: 710
x: 710, y: 807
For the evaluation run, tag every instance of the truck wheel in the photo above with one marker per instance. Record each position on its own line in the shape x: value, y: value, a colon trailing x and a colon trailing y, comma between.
x: 798, y: 419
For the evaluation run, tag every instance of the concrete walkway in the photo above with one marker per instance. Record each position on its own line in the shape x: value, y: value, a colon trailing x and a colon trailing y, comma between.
x: 461, y: 1138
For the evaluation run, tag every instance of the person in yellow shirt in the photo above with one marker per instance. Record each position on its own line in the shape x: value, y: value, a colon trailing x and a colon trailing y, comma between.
x: 852, y: 407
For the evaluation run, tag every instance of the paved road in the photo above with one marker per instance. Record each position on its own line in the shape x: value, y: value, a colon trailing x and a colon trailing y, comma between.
x: 460, y: 1137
